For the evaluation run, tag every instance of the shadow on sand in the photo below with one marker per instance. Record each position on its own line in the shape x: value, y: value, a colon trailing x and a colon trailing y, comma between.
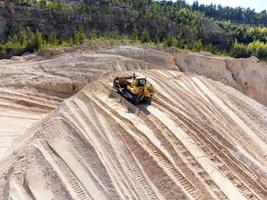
x: 136, y: 109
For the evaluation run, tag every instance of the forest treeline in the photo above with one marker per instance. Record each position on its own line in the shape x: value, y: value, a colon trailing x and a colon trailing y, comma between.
x: 236, y: 32
x: 236, y: 15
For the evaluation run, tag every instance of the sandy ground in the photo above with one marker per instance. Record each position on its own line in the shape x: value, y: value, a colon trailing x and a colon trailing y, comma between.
x: 198, y: 139
x: 19, y: 110
x: 13, y: 123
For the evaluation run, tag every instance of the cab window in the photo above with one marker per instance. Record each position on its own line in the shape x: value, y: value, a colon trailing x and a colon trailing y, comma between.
x: 141, y: 83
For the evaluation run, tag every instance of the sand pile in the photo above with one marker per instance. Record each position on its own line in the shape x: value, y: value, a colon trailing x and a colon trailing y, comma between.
x: 198, y: 139
x: 32, y: 86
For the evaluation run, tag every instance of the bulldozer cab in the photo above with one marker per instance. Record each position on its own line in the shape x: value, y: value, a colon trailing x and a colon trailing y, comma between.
x: 140, y: 82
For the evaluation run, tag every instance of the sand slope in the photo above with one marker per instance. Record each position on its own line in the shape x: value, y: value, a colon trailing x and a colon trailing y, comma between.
x: 198, y: 139
x: 32, y: 86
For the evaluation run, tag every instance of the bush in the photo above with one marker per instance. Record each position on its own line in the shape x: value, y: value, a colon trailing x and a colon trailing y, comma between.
x: 170, y: 41
x: 255, y: 48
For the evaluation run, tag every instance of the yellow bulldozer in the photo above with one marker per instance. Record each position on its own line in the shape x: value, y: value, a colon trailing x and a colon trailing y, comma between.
x: 135, y: 89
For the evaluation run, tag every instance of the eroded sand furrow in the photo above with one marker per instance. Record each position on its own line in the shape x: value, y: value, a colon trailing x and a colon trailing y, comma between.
x: 19, y: 110
x: 38, y: 98
x: 127, y: 159
x: 145, y: 186
x: 24, y: 102
x: 216, y: 110
x: 10, y: 106
x: 27, y: 193
x: 239, y: 184
x: 94, y: 165
x: 243, y: 153
x: 113, y: 164
x: 120, y: 166
x: 17, y: 192
x: 132, y: 165
x: 202, y: 157
x: 241, y: 106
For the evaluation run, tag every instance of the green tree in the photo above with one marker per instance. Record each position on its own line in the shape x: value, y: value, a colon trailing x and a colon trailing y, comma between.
x: 79, y: 36
x: 82, y: 36
x: 42, y: 4
x: 93, y: 34
x: 198, y: 45
x: 38, y: 41
x: 258, y: 49
x: 52, y: 39
x: 76, y: 37
x: 239, y: 50
x: 134, y: 34
x: 145, y: 37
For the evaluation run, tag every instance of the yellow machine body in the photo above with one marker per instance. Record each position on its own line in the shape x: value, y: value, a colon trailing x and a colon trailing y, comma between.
x: 135, y: 89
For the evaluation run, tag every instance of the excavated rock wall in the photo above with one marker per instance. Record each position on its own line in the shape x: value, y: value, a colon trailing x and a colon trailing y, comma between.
x: 63, y: 23
x: 247, y: 75
x: 3, y: 27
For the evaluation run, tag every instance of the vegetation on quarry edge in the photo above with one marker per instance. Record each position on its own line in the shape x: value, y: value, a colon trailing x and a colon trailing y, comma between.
x: 196, y: 27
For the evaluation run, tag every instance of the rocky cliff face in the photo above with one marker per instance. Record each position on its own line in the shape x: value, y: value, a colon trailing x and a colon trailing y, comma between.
x: 3, y: 28
x: 47, y: 21
x: 120, y: 19
x: 63, y: 23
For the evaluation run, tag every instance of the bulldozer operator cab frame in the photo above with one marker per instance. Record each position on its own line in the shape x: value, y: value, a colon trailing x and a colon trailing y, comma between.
x: 141, y: 82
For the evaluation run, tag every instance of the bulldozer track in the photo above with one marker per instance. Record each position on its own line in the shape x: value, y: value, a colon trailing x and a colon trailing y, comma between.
x: 185, y: 156
x: 64, y: 172
x: 210, y: 152
x: 188, y: 186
